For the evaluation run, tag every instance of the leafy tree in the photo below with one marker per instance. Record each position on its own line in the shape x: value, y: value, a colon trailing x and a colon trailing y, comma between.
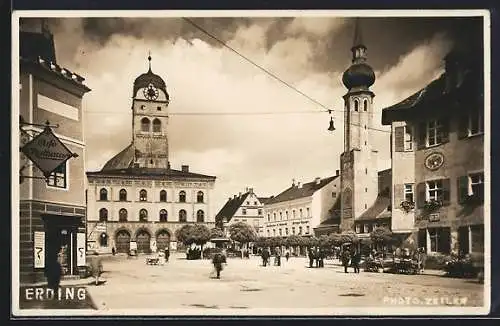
x: 335, y: 239
x: 294, y: 241
x: 198, y: 234
x: 349, y: 236
x: 216, y: 233
x: 323, y: 241
x: 381, y: 236
x: 260, y: 242
x: 242, y: 232
x: 185, y: 234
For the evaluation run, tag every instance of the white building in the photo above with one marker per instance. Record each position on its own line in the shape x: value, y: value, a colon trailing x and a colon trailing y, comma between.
x: 245, y: 207
x: 301, y: 208
x: 137, y: 199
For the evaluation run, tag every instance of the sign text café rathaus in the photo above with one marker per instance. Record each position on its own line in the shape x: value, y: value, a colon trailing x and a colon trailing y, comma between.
x: 52, y: 173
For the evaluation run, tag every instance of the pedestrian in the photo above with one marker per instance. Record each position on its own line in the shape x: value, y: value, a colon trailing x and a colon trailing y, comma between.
x: 265, y: 257
x: 278, y: 256
x: 356, y: 258
x: 113, y: 251
x: 311, y: 257
x: 346, y: 257
x: 167, y: 254
x: 423, y: 258
x: 96, y: 265
x: 217, y: 261
x: 287, y: 255
x: 321, y: 258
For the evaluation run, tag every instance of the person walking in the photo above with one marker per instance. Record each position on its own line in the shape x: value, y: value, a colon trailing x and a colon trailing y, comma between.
x: 287, y: 255
x: 311, y: 257
x: 321, y: 258
x: 278, y: 256
x: 96, y: 265
x: 217, y: 261
x: 356, y: 258
x: 167, y: 254
x: 346, y: 257
x: 113, y: 251
x: 265, y: 257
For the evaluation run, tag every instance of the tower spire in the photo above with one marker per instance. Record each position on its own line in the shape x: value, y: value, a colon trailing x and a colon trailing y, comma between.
x: 149, y: 59
x: 358, y: 48
x: 358, y: 35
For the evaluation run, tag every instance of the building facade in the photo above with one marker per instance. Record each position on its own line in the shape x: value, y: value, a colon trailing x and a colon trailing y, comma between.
x: 446, y: 174
x: 245, y: 207
x: 301, y: 208
x: 137, y: 201
x: 52, y: 210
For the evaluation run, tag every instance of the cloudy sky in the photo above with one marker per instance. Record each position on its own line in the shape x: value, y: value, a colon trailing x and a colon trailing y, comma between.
x: 269, y: 134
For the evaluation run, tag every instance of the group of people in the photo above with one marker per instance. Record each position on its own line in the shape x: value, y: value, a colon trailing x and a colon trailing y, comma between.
x: 317, y: 255
x: 351, y: 256
x: 265, y: 254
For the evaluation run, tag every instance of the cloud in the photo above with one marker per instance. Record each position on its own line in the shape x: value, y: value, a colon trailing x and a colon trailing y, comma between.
x: 317, y: 26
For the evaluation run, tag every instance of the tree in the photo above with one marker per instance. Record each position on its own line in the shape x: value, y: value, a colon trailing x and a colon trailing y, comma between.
x: 198, y: 234
x: 381, y: 236
x: 294, y: 241
x: 348, y: 237
x: 335, y: 239
x: 260, y: 242
x: 216, y: 233
x: 323, y: 241
x: 185, y: 234
x: 242, y: 232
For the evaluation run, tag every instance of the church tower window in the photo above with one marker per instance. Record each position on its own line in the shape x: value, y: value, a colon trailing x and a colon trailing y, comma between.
x: 356, y: 105
x: 365, y: 105
x: 145, y: 124
x: 156, y: 125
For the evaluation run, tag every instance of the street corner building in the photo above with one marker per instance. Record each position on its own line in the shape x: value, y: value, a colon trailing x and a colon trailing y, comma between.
x: 438, y: 158
x: 245, y: 207
x: 137, y: 201
x: 52, y: 210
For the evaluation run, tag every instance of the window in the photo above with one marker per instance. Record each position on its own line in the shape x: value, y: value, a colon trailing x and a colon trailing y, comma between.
x: 163, y: 215
x: 293, y: 230
x: 143, y: 215
x: 409, y: 192
x: 123, y: 215
x: 286, y: 231
x: 365, y: 105
x: 200, y: 216
x: 307, y: 229
x: 358, y: 228
x: 103, y: 215
x: 477, y: 238
x: 366, y: 189
x: 293, y: 214
x: 259, y: 211
x: 286, y: 214
x: 356, y: 105
x: 281, y: 216
x: 268, y: 233
x: 434, y: 236
x: 182, y: 196
x: 156, y: 125
x: 408, y: 139
x: 366, y: 171
x: 280, y: 232
x: 476, y: 188
x: 307, y: 210
x: 199, y: 197
x: 434, y: 190
x: 434, y: 132
x: 103, y: 240
x: 163, y: 196
x: 248, y: 203
x: 103, y: 194
x: 301, y: 213
x: 145, y: 124
x: 300, y: 230
x: 274, y: 216
x: 366, y: 228
x: 274, y: 232
x: 143, y: 195
x: 255, y: 203
x: 269, y: 217
x: 57, y: 178
x: 158, y: 108
x: 243, y: 211
x: 182, y: 216
x: 123, y: 195
x: 471, y: 124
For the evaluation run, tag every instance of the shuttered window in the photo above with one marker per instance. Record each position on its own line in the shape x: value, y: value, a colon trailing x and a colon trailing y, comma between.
x: 399, y: 133
x: 463, y: 188
x: 477, y: 238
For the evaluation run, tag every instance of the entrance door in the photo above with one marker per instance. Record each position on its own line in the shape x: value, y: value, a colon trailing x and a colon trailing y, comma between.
x: 143, y: 241
x: 162, y: 240
x: 122, y: 242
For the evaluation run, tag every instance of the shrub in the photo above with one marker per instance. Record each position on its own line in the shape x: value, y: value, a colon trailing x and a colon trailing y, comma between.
x: 436, y: 261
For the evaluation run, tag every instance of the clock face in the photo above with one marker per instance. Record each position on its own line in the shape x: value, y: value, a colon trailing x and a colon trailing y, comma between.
x: 434, y: 161
x: 151, y: 92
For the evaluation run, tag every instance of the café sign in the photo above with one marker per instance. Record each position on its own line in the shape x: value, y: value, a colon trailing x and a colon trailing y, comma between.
x: 47, y: 152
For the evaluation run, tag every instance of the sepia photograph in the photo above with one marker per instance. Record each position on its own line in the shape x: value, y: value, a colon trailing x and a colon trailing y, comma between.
x: 239, y: 163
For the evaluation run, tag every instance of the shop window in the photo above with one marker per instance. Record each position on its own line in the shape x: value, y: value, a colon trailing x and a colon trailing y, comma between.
x: 477, y: 238
x: 200, y: 216
x: 123, y: 195
x: 103, y: 215
x: 439, y: 240
x: 103, y: 240
x: 182, y: 196
x: 143, y: 195
x: 182, y: 216
x: 163, y: 196
x: 123, y: 215
x: 103, y: 194
x: 58, y: 178
x: 163, y: 215
x: 143, y: 215
x: 199, y: 197
x: 145, y: 125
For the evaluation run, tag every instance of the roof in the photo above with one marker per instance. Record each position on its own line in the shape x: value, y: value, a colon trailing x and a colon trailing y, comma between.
x: 231, y: 206
x: 334, y: 214
x: 150, y: 172
x: 306, y: 190
x: 264, y: 200
x: 34, y: 45
x: 381, y: 206
x: 122, y: 160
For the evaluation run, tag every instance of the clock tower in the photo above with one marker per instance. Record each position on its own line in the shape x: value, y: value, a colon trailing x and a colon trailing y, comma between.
x: 358, y: 162
x: 149, y: 120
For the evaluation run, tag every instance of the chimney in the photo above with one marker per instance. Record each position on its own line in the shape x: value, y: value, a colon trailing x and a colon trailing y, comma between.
x: 185, y: 168
x: 293, y: 182
x: 317, y: 180
x: 299, y: 185
x: 250, y: 190
x: 337, y: 172
x: 234, y: 197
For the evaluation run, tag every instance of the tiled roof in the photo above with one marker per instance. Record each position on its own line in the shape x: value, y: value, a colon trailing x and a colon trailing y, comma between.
x: 150, y: 172
x: 231, y: 206
x: 122, y: 160
x: 334, y: 213
x: 306, y: 190
x: 380, y: 208
x: 264, y: 200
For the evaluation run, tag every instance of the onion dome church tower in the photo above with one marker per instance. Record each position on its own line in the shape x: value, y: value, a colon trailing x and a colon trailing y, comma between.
x: 358, y: 162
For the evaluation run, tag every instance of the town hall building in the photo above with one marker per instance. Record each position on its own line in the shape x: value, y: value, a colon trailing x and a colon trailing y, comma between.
x: 137, y: 201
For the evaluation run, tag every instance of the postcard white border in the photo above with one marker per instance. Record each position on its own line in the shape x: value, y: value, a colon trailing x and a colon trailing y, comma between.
x: 370, y: 311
